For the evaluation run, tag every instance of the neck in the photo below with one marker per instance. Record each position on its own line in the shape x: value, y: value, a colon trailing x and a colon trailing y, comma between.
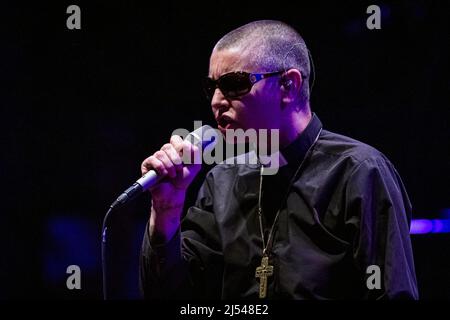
x: 293, y: 126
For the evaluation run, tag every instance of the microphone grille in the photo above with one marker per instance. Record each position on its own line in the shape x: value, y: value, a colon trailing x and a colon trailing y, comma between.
x: 203, y: 136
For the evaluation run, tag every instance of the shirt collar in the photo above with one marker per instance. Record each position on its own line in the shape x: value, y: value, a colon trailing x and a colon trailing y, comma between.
x: 295, y: 152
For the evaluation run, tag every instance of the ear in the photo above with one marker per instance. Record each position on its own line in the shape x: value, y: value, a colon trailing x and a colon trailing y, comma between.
x: 291, y: 82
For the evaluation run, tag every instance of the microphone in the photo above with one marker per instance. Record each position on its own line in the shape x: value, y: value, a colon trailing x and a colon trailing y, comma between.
x: 201, y: 137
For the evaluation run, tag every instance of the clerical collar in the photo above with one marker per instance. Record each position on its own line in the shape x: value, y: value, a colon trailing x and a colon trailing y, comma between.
x: 293, y: 154
x: 297, y: 149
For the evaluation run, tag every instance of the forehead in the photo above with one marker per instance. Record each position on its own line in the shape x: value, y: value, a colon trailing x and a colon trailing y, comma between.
x: 228, y: 60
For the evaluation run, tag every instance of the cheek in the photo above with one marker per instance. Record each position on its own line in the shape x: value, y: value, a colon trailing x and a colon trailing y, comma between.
x: 267, y: 96
x: 267, y: 105
x: 259, y: 115
x: 259, y: 109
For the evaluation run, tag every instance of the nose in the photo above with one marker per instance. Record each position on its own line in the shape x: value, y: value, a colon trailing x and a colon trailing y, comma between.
x: 219, y: 103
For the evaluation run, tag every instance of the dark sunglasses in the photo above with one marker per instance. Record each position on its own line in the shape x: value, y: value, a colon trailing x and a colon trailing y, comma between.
x: 234, y: 84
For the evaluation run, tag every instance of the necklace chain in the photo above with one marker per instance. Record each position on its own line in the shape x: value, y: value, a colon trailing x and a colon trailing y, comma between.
x: 267, y: 247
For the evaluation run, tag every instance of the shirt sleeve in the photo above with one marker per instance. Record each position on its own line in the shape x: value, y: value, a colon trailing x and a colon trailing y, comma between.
x: 379, y: 210
x: 190, y: 265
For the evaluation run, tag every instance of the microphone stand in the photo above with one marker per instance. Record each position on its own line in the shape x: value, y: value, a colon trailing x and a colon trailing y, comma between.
x: 105, y: 253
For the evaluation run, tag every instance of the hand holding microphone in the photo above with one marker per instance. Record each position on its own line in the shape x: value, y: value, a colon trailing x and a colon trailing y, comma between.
x: 167, y: 178
x: 168, y: 163
x: 167, y: 174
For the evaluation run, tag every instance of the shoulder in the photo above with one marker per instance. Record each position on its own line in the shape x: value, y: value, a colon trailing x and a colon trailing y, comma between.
x: 347, y: 156
x: 340, y: 147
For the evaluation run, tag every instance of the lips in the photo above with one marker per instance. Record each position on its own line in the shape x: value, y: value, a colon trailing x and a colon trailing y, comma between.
x: 225, y: 122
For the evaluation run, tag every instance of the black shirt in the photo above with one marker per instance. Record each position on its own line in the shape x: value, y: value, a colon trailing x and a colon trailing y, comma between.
x: 346, y: 210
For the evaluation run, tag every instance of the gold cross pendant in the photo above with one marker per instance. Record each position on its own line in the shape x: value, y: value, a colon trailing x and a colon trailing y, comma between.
x: 262, y: 272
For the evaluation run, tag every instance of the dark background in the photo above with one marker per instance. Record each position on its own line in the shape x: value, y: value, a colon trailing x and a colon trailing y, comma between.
x: 81, y: 109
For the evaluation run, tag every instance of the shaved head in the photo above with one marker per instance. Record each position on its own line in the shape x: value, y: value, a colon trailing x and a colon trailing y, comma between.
x: 270, y: 46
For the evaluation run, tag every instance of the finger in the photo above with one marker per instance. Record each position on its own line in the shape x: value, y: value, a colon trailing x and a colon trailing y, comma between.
x: 169, y: 166
x: 191, y: 153
x: 153, y: 163
x: 145, y: 166
x: 177, y: 143
x: 174, y: 156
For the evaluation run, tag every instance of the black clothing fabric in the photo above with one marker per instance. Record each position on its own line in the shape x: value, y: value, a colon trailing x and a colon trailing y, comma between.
x: 346, y: 210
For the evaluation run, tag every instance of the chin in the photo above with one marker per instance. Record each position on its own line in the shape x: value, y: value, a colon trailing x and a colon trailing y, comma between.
x: 239, y: 135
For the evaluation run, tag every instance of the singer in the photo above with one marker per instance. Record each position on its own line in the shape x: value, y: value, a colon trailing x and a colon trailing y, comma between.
x: 335, y: 210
